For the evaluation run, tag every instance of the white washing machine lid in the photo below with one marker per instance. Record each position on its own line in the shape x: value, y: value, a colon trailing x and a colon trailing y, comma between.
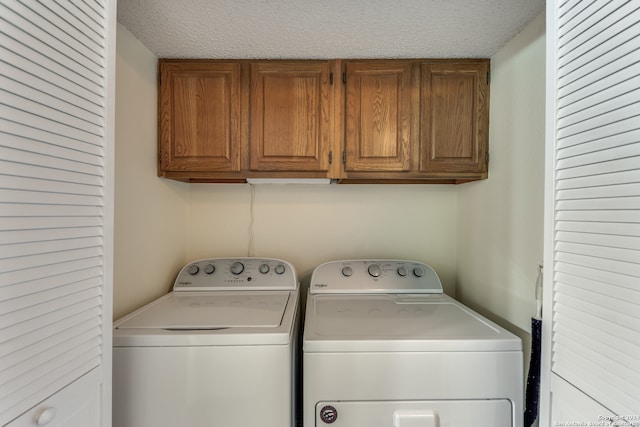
x: 399, y: 322
x: 210, y: 318
x: 222, y: 310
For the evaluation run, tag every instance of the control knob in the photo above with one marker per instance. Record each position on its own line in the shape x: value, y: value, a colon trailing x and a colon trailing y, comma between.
x: 374, y: 270
x: 264, y: 268
x: 193, y: 269
x: 418, y: 272
x: 209, y: 269
x: 402, y: 271
x: 237, y: 268
x: 279, y: 269
x: 347, y: 271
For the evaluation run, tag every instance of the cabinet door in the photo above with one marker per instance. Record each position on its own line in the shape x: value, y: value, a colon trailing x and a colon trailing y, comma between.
x: 378, y: 116
x: 200, y: 118
x: 454, y: 117
x: 291, y: 116
x: 78, y: 404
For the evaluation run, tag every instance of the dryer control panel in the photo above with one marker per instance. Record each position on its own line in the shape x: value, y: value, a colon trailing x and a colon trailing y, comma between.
x: 375, y: 276
x: 236, y: 273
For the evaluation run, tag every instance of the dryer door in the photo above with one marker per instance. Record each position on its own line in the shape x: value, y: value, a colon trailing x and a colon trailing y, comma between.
x: 435, y: 413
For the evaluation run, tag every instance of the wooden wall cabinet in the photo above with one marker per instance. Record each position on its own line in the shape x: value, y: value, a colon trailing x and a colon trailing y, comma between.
x: 199, y: 117
x: 291, y: 118
x: 405, y: 120
x: 231, y: 120
x: 418, y: 120
x: 378, y: 116
x: 454, y: 117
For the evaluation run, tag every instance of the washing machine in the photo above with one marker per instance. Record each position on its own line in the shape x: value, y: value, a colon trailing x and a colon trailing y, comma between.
x: 218, y: 350
x: 384, y: 346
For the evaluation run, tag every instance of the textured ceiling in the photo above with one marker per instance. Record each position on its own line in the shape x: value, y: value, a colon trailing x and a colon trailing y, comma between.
x: 326, y: 28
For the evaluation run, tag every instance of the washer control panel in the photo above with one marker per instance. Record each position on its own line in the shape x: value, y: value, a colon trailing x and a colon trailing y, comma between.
x: 375, y: 276
x: 236, y: 273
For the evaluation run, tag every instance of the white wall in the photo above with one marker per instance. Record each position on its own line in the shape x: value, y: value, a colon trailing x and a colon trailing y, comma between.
x: 500, y: 220
x: 310, y: 224
x: 150, y: 213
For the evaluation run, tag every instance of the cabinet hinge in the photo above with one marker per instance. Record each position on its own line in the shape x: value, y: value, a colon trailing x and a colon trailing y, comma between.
x: 330, y: 78
x: 344, y: 157
x: 486, y: 157
x: 344, y: 78
x: 330, y: 157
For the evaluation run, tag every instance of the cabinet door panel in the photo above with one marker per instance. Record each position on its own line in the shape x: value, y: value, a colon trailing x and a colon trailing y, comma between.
x: 378, y: 116
x: 454, y: 117
x: 290, y: 116
x: 78, y: 404
x: 200, y: 117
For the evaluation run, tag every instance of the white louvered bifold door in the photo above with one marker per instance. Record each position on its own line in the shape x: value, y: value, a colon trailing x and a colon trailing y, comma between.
x: 53, y: 71
x: 595, y: 277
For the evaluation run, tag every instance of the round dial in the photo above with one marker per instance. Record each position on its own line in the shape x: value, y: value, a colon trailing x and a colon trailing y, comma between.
x: 374, y: 270
x: 193, y: 269
x: 418, y: 272
x: 347, y: 271
x: 402, y: 271
x: 237, y: 268
x: 209, y: 269
x: 279, y: 269
x: 264, y: 268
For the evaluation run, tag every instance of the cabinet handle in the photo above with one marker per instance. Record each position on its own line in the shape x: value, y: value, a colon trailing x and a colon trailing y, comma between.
x: 45, y: 416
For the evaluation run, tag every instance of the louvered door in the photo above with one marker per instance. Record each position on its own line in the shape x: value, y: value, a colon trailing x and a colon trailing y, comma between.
x: 592, y: 289
x: 56, y: 201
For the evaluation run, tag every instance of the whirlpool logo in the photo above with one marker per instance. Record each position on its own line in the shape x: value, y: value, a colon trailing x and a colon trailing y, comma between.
x: 328, y: 414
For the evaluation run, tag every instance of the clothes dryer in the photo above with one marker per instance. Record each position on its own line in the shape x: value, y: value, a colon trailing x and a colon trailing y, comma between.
x: 218, y: 350
x: 384, y: 346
